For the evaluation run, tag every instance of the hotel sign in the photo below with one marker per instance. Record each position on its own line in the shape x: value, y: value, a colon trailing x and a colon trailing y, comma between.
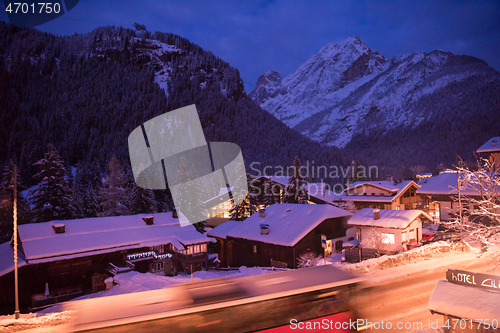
x: 477, y: 280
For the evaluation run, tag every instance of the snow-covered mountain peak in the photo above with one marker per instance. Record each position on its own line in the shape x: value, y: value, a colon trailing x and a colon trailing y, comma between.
x: 347, y: 88
x: 267, y: 87
x: 333, y: 67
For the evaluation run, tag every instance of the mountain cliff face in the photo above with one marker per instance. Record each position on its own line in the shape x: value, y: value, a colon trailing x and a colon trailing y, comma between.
x: 349, y: 90
x: 268, y: 85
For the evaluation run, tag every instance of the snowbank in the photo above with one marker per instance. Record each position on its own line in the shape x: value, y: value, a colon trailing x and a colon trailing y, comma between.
x: 428, y: 251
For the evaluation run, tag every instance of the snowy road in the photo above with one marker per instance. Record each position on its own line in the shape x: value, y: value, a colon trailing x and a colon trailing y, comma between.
x: 402, y: 298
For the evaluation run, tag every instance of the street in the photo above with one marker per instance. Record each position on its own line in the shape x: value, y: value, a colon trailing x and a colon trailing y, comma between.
x: 403, y: 300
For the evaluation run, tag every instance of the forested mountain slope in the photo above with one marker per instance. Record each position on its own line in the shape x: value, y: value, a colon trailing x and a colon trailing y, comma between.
x: 86, y: 93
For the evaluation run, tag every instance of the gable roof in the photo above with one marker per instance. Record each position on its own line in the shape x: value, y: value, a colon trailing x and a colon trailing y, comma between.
x: 288, y: 223
x: 489, y: 146
x: 99, y: 235
x: 398, y: 219
x: 387, y: 185
x: 444, y: 184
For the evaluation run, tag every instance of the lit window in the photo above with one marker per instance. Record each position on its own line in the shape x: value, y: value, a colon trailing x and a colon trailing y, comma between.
x: 403, y: 237
x: 387, y: 238
x: 255, y: 249
x: 203, y: 247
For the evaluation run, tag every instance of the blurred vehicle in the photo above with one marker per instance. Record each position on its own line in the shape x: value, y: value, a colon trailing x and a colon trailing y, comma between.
x: 225, y: 304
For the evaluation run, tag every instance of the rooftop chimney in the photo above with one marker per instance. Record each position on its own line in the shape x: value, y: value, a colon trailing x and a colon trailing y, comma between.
x: 494, y: 143
x: 262, y: 213
x: 148, y: 219
x: 264, y: 229
x: 175, y: 215
x: 59, y: 228
x: 376, y: 214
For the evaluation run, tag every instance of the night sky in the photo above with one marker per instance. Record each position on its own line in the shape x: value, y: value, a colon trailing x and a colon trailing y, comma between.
x: 259, y: 36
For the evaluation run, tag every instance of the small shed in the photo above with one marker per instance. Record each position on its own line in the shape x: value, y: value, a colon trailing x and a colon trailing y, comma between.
x: 387, y: 231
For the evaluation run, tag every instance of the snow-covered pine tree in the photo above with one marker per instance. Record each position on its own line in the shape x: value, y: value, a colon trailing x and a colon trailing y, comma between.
x: 113, y: 196
x: 271, y: 193
x: 295, y: 191
x: 143, y: 200
x: 52, y: 199
x: 243, y: 210
x: 248, y: 206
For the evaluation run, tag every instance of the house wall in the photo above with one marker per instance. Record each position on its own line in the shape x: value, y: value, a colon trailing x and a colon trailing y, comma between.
x: 445, y: 208
x: 372, y: 204
x: 252, y: 253
x: 371, y: 238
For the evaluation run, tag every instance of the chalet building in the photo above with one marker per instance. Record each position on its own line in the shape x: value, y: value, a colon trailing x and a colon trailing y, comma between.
x: 441, y: 190
x: 279, y: 235
x: 388, y: 195
x: 387, y: 231
x: 491, y: 150
x: 73, y: 257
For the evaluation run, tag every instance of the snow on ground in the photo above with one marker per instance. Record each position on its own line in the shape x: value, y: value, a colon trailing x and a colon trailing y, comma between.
x: 417, y: 255
x: 33, y: 322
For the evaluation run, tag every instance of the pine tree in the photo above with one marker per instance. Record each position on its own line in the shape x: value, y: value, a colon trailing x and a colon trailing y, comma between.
x: 295, y: 191
x: 243, y: 210
x: 86, y: 184
x: 143, y: 201
x: 113, y: 196
x: 52, y: 199
x: 271, y: 193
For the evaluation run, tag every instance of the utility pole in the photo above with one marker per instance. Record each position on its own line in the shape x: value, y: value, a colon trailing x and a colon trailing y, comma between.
x: 16, y: 286
x: 459, y: 199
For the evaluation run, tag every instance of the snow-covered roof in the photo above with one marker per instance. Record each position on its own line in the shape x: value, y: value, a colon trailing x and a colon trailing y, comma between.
x: 7, y: 258
x: 354, y: 242
x: 221, y: 230
x: 465, y: 302
x: 443, y: 184
x: 492, y: 145
x: 288, y: 223
x: 387, y: 185
x: 398, y: 219
x: 91, y: 236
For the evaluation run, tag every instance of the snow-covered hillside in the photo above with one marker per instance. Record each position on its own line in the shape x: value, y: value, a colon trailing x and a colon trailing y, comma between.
x: 347, y: 89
